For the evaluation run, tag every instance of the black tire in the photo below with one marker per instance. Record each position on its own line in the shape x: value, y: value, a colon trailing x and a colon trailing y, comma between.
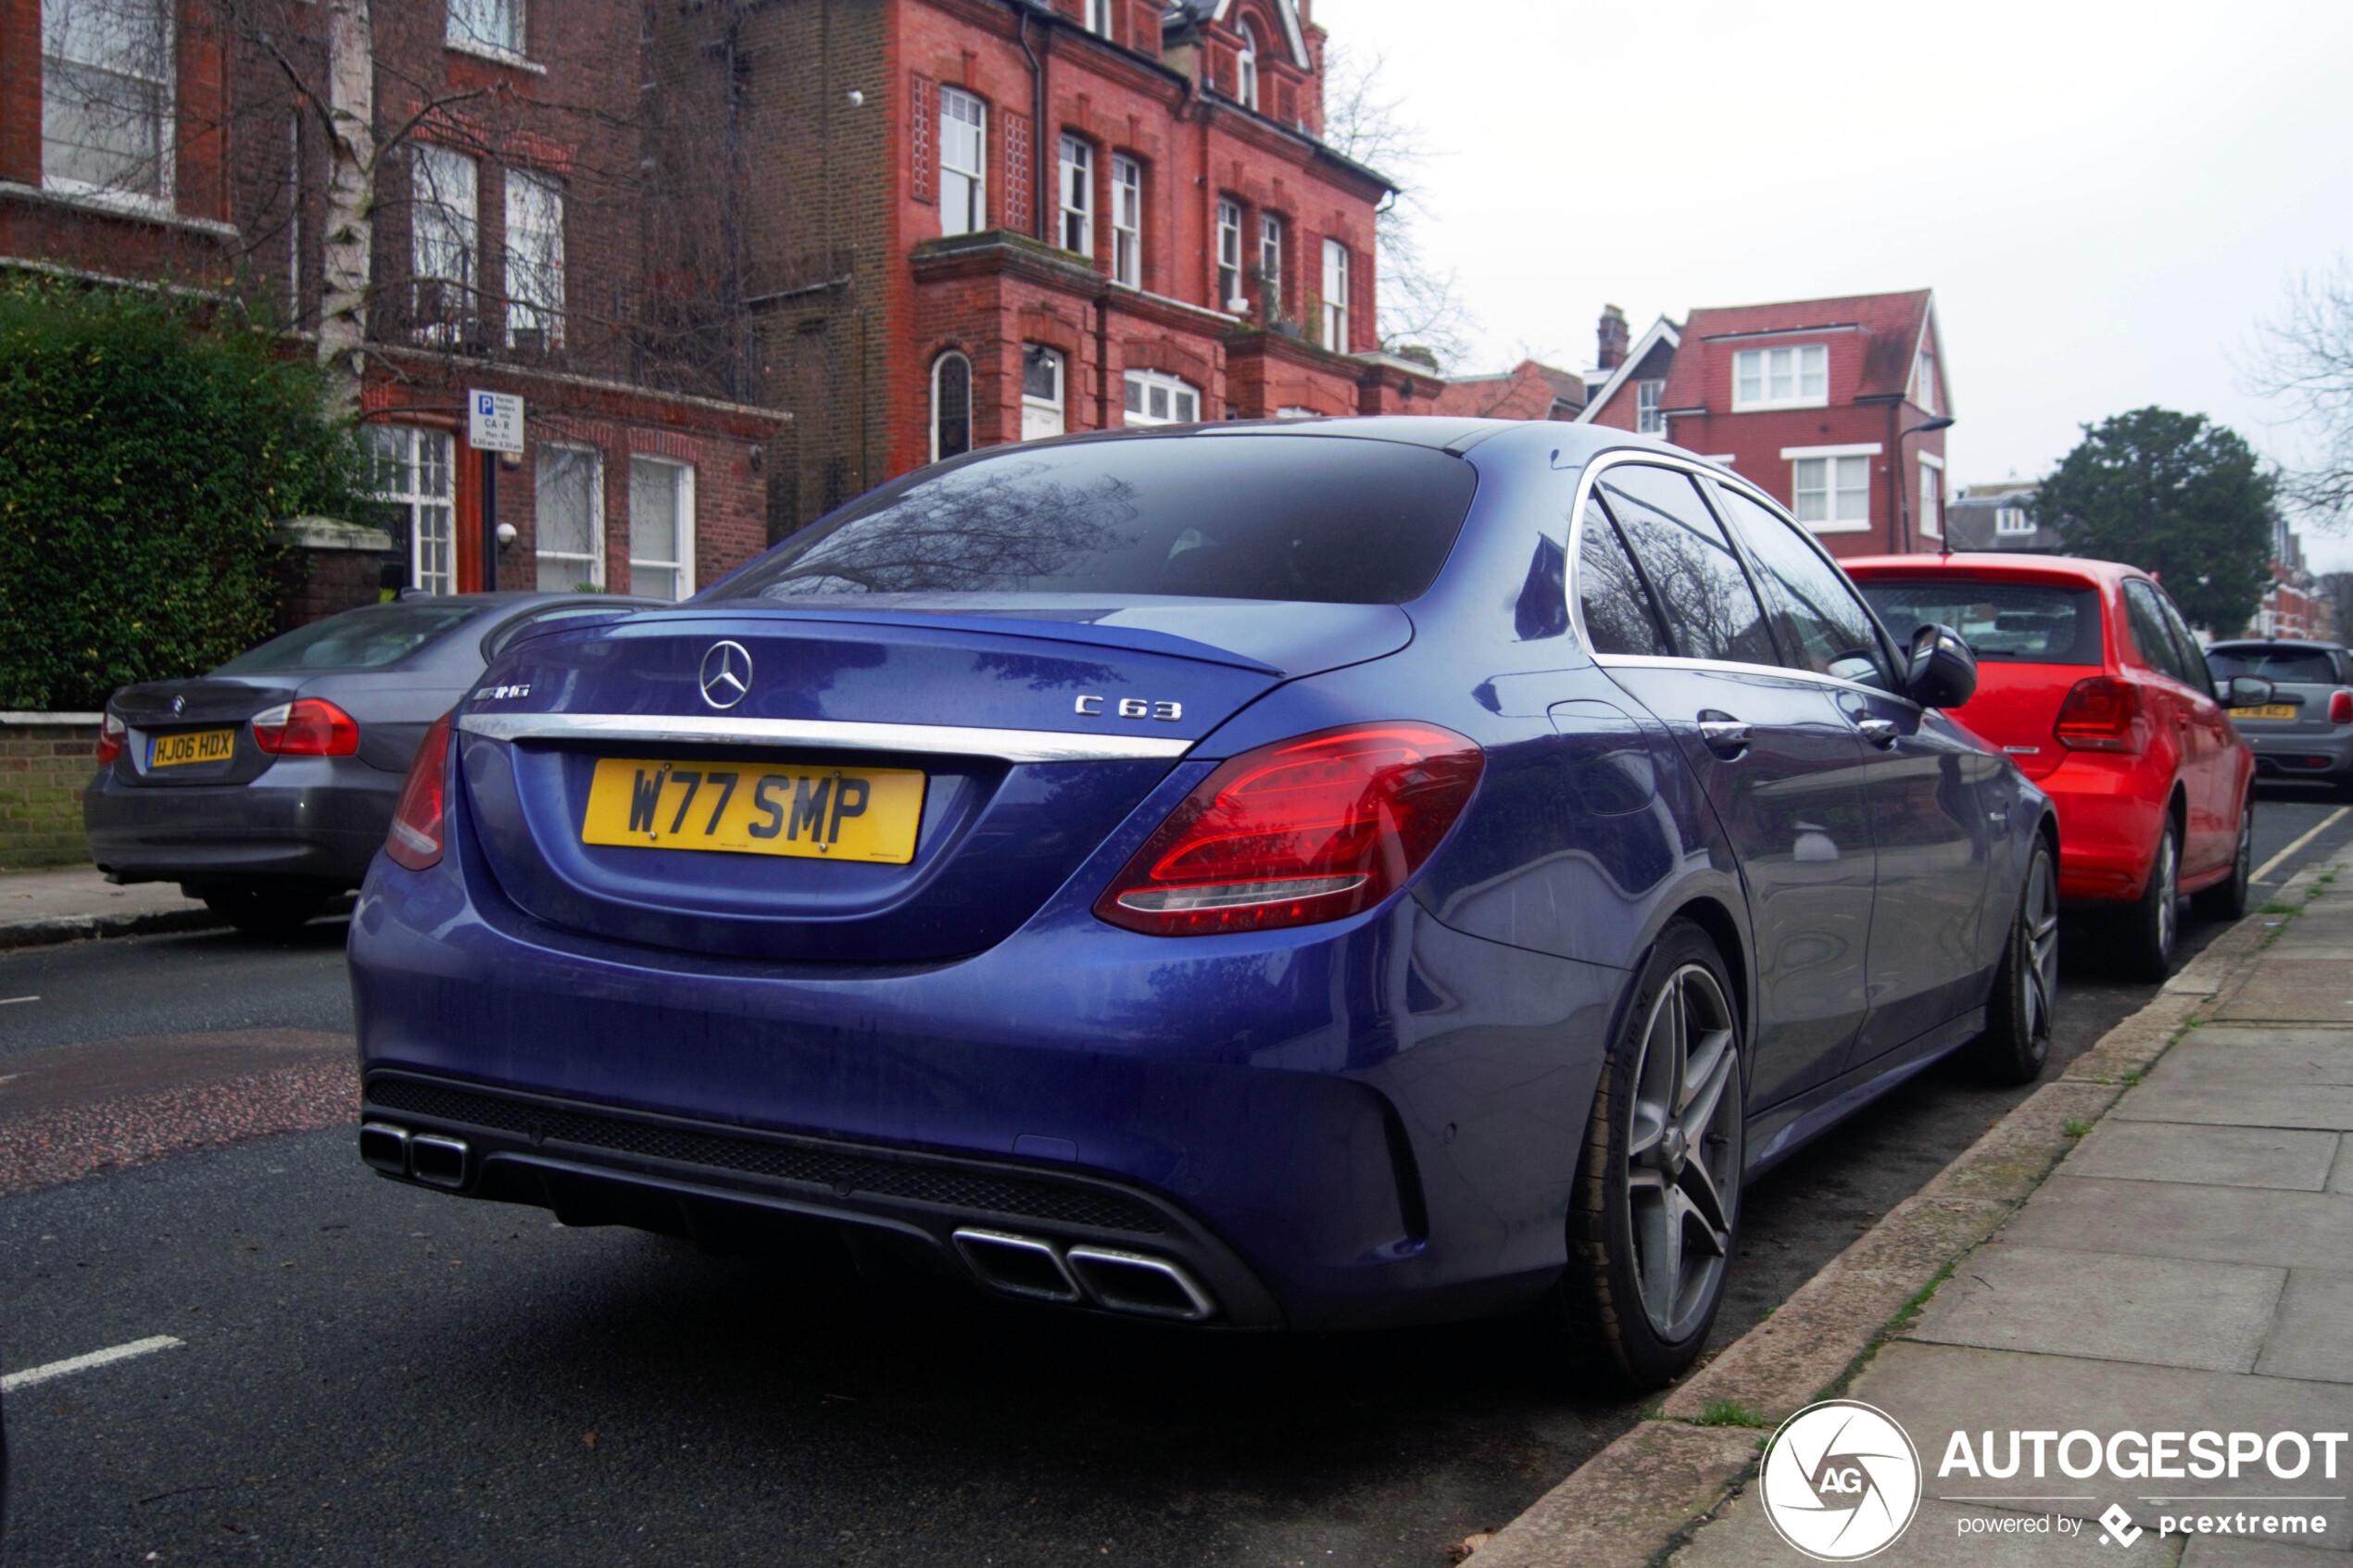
x: 2017, y: 1021
x: 262, y: 907
x: 1654, y: 1215
x: 2153, y: 926
x: 2227, y: 898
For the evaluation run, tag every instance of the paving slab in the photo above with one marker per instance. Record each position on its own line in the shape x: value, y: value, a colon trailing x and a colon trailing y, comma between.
x: 2312, y: 1334
x: 2219, y: 1224
x: 2204, y: 1551
x: 2301, y: 1056
x: 2325, y: 1106
x: 1941, y: 1534
x: 2342, y: 1181
x: 2218, y: 1155
x: 2323, y: 991
x: 2165, y: 1312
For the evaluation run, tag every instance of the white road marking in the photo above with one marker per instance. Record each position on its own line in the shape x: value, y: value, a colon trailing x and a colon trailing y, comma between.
x: 72, y: 1365
x: 11, y: 1001
x: 2326, y: 823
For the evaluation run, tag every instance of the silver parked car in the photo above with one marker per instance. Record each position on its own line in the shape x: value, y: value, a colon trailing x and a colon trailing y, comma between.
x: 266, y: 786
x: 2306, y: 731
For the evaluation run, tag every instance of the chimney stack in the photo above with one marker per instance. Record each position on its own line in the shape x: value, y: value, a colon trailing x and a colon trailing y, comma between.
x: 1612, y: 334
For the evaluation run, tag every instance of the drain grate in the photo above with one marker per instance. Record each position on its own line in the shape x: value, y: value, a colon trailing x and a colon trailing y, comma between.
x: 839, y: 1173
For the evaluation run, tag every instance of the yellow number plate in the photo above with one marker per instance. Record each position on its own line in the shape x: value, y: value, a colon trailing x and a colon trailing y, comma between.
x: 193, y: 746
x: 2270, y: 711
x: 846, y: 814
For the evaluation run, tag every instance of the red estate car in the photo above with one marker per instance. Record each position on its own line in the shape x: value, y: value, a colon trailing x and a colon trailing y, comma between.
x: 2090, y: 680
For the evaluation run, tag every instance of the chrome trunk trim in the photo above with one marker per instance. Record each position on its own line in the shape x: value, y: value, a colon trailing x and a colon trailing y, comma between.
x: 1011, y: 746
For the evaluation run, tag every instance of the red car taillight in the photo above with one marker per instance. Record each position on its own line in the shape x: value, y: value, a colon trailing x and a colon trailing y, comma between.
x: 2101, y: 714
x: 110, y: 732
x: 2341, y: 708
x: 415, y: 839
x: 314, y: 727
x: 1305, y: 830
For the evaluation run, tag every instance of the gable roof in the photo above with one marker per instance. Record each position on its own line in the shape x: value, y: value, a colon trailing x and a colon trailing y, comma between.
x: 1661, y: 331
x: 1891, y: 325
x: 1182, y: 15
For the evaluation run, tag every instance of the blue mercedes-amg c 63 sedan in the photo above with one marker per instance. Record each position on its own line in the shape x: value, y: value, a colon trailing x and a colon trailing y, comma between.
x: 1307, y: 873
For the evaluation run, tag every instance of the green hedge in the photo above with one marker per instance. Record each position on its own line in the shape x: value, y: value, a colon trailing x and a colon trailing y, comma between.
x: 145, y: 455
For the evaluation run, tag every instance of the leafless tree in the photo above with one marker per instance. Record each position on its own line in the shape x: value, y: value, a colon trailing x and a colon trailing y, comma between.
x: 2304, y: 360
x: 1420, y: 302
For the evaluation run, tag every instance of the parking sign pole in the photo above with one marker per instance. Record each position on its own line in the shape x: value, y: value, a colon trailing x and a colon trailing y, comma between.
x: 494, y: 427
x: 490, y: 522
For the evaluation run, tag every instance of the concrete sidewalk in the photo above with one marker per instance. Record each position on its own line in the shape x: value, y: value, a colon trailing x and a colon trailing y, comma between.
x: 77, y: 902
x: 2187, y: 1267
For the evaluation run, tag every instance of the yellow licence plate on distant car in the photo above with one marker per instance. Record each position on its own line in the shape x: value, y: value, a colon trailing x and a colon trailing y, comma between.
x: 842, y: 813
x: 193, y: 745
x: 2269, y: 711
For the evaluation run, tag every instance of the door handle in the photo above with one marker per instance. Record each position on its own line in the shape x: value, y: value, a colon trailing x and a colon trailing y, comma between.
x: 1881, y: 733
x: 1724, y: 734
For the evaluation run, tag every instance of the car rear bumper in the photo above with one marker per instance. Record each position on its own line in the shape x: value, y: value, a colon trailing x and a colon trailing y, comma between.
x: 312, y: 818
x: 2110, y: 810
x: 2289, y: 754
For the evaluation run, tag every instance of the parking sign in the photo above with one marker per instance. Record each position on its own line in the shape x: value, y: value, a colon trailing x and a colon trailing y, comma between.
x: 494, y: 421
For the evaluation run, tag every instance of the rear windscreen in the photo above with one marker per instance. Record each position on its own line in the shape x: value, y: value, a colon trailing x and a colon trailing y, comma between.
x: 2023, y: 623
x: 358, y: 639
x: 2310, y: 667
x: 1330, y: 521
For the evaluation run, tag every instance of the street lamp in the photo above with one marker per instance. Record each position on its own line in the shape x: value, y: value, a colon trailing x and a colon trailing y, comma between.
x: 1903, y: 496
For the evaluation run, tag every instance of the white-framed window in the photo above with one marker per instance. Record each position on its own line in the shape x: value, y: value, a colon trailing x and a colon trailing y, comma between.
x: 1270, y: 262
x: 963, y: 162
x: 951, y: 406
x: 1246, y: 66
x: 1157, y: 400
x: 1795, y: 376
x: 1336, y: 296
x: 2012, y: 520
x: 1126, y: 220
x: 107, y: 97
x: 1830, y: 487
x: 569, y: 515
x: 443, y: 234
x: 1924, y: 383
x: 412, y: 470
x: 1932, y: 497
x: 1230, y: 254
x: 661, y: 528
x: 1041, y: 392
x: 1648, y: 418
x: 495, y: 25
x: 1078, y: 196
x: 1099, y: 17
x: 535, y: 261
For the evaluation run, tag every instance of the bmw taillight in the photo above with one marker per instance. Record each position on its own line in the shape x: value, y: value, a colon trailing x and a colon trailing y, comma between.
x: 314, y: 727
x: 2341, y: 708
x: 111, y: 733
x: 2101, y: 713
x: 1305, y: 830
x: 415, y: 839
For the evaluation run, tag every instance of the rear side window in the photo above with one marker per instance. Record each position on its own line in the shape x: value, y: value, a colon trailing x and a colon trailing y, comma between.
x: 1241, y: 517
x: 2013, y: 623
x: 2191, y: 657
x: 2303, y: 667
x: 1711, y: 610
x: 358, y: 639
x: 1620, y: 617
x: 1824, y: 627
x: 2150, y: 632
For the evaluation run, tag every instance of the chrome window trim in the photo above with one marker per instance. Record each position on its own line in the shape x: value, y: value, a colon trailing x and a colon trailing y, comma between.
x: 1011, y: 745
x: 1734, y: 667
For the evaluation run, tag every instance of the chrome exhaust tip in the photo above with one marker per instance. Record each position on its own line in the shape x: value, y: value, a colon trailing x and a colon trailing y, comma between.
x: 1018, y: 1265
x: 1136, y: 1282
x: 384, y: 1146
x: 437, y: 1160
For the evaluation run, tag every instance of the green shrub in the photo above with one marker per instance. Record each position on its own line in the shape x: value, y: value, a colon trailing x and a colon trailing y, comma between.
x: 146, y: 456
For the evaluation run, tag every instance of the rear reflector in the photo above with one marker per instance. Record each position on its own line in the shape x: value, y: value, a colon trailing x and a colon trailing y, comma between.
x: 415, y: 839
x: 110, y: 732
x: 2101, y: 713
x: 314, y: 727
x: 2341, y: 708
x: 1299, y: 831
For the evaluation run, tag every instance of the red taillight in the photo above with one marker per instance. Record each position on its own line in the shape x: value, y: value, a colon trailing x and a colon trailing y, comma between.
x: 111, y: 733
x: 2341, y: 708
x: 415, y: 839
x: 314, y: 727
x: 2101, y: 714
x: 1302, y: 831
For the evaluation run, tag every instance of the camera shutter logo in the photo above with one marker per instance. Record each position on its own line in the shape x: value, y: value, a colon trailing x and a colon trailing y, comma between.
x: 726, y: 674
x: 1841, y: 1481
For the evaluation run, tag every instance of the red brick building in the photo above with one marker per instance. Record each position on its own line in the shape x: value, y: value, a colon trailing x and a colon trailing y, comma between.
x: 145, y: 141
x: 1529, y: 390
x: 1817, y: 401
x: 970, y: 222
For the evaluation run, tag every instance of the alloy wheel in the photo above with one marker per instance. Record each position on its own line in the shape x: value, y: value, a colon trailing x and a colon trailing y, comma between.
x: 2169, y: 873
x: 1684, y: 1150
x: 2042, y: 917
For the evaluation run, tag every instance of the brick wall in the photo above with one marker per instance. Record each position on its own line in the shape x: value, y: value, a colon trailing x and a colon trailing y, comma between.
x: 45, y: 760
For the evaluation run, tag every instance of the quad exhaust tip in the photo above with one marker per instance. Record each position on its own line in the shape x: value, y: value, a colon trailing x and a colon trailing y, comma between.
x: 431, y: 1158
x: 1135, y: 1283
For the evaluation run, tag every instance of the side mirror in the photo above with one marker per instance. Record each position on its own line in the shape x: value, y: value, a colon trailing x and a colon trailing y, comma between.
x: 2248, y: 691
x: 1942, y: 672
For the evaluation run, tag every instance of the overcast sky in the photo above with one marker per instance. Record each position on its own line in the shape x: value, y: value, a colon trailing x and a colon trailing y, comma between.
x: 2105, y: 197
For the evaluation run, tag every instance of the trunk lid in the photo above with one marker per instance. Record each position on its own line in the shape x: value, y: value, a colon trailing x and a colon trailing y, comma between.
x: 1036, y: 729
x: 2016, y: 709
x: 166, y: 712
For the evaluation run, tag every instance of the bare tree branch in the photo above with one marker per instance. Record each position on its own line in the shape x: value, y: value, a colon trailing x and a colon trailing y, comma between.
x: 2307, y: 363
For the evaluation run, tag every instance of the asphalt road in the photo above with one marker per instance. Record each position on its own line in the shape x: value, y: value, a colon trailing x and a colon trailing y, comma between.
x: 371, y: 1374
